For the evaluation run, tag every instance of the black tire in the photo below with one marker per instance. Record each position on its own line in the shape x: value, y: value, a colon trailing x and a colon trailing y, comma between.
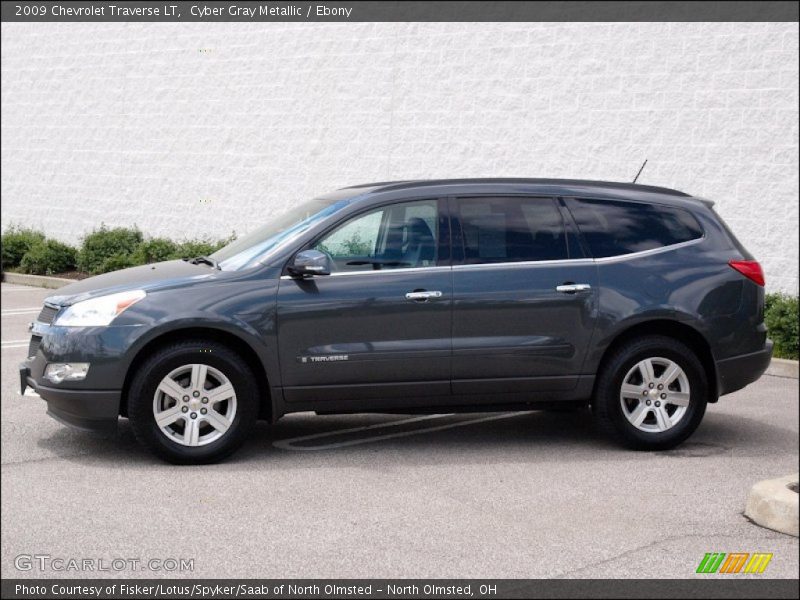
x: 607, y: 406
x: 150, y: 374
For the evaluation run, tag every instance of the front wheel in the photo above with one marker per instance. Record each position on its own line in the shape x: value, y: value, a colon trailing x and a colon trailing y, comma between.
x: 193, y: 402
x: 651, y: 393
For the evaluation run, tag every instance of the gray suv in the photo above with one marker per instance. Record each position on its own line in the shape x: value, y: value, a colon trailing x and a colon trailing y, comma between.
x: 418, y: 296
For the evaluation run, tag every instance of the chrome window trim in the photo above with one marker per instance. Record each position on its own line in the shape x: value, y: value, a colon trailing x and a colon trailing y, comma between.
x: 520, y: 264
x: 526, y: 263
x: 652, y: 251
x: 584, y: 261
x: 379, y: 271
x: 384, y: 271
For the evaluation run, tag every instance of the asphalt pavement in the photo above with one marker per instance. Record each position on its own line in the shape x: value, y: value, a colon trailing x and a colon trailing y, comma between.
x: 502, y: 495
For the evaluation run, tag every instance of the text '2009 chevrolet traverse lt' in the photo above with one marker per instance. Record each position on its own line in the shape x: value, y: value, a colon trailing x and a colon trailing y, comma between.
x: 418, y: 296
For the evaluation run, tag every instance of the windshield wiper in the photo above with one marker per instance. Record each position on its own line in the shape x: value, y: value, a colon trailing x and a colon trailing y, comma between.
x: 204, y: 259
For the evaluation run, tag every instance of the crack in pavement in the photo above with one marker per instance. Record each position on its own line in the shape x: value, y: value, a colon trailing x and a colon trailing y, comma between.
x: 14, y: 463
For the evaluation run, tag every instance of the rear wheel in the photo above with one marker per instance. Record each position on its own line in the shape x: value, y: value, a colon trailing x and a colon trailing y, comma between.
x: 651, y: 393
x: 193, y: 402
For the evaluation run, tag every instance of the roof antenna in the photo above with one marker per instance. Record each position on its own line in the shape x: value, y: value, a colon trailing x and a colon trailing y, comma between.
x: 640, y: 171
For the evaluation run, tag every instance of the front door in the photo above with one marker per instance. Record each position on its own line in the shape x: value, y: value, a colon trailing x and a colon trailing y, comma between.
x: 524, y: 297
x: 376, y: 331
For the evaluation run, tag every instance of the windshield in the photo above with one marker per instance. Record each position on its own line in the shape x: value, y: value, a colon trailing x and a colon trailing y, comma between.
x: 249, y: 250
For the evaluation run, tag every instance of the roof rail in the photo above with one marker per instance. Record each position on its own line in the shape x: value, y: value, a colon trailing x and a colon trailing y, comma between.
x: 375, y: 184
x: 706, y: 201
x: 396, y: 185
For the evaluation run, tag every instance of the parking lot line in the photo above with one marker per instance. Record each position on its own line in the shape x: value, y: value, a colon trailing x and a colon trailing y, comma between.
x: 14, y: 343
x: 20, y: 311
x: 288, y: 444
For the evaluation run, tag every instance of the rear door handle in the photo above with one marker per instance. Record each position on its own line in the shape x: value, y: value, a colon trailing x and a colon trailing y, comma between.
x: 571, y: 288
x: 423, y: 295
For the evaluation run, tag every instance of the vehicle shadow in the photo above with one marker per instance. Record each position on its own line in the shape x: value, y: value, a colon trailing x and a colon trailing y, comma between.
x: 306, y: 440
x: 355, y: 434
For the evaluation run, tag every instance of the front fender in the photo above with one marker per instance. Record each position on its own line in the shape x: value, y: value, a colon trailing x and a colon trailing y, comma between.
x: 263, y: 346
x: 245, y: 309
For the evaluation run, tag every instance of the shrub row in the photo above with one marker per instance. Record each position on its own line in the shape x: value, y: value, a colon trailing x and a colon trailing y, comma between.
x: 102, y: 250
x: 16, y: 242
x: 781, y: 317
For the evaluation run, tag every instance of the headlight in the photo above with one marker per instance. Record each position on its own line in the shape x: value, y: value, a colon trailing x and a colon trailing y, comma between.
x: 98, y: 312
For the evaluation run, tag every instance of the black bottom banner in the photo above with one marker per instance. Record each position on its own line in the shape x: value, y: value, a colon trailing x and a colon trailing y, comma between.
x: 401, y: 588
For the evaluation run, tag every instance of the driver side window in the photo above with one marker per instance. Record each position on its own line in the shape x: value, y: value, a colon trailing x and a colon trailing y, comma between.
x: 399, y: 236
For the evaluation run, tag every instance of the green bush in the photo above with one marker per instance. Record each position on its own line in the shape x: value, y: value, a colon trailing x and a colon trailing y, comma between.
x: 117, y: 262
x: 781, y: 317
x: 15, y: 242
x: 47, y: 257
x: 155, y: 250
x: 104, y: 248
x: 193, y: 248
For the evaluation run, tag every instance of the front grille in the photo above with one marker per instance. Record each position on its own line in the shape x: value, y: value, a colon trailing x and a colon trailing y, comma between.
x: 47, y: 315
x: 34, y: 345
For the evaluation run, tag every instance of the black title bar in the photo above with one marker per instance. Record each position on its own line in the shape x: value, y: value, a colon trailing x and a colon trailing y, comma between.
x: 364, y: 11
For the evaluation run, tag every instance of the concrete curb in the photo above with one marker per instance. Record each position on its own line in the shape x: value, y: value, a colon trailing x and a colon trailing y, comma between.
x: 36, y: 280
x: 781, y: 367
x: 773, y: 505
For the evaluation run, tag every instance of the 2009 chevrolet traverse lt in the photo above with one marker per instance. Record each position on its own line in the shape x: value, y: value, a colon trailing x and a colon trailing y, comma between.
x: 418, y: 296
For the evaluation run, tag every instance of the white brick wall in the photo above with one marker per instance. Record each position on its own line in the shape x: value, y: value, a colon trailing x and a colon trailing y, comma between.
x: 200, y: 129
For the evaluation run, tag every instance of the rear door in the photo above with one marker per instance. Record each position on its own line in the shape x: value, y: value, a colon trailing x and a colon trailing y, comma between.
x: 524, y: 296
x: 376, y: 332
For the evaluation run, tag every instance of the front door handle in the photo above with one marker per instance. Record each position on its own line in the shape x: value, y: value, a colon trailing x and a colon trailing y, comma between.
x: 571, y: 288
x: 422, y: 295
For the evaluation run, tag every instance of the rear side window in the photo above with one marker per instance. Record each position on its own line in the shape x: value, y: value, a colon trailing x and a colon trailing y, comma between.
x: 512, y: 229
x: 613, y: 228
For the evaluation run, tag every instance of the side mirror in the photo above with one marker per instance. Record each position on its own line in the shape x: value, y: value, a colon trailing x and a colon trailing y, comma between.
x: 310, y: 262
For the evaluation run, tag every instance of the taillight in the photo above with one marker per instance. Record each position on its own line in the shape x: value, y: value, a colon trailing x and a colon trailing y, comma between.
x: 750, y: 269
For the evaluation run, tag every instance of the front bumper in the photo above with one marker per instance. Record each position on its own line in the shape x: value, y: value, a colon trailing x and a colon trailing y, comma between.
x: 736, y: 372
x: 89, y: 410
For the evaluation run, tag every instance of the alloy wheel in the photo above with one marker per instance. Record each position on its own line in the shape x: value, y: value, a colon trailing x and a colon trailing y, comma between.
x: 655, y: 394
x: 194, y: 405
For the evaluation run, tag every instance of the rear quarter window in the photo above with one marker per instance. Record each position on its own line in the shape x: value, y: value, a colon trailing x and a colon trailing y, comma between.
x: 614, y: 228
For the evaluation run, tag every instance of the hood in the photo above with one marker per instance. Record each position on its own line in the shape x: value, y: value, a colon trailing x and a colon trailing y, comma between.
x: 147, y: 277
